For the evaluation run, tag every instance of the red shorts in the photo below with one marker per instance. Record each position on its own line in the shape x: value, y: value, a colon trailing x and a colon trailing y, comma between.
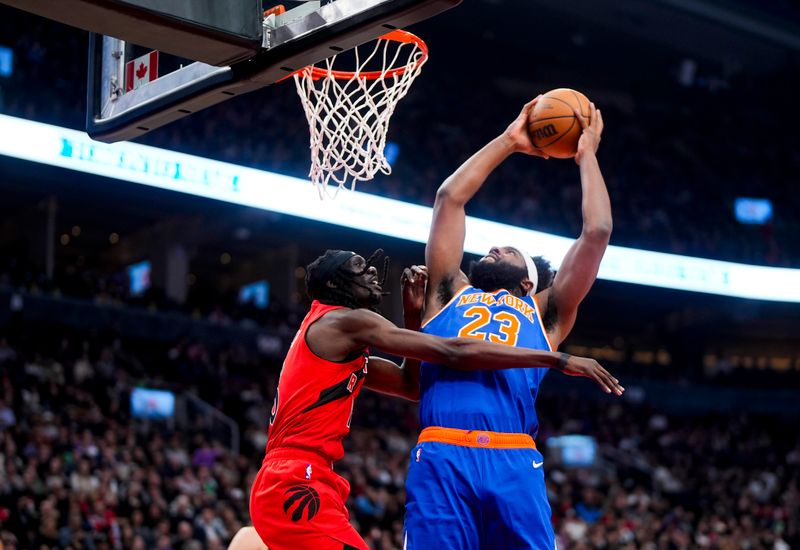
x: 297, y: 502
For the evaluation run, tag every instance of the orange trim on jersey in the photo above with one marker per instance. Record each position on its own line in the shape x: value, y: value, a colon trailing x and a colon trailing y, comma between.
x: 444, y: 307
x: 541, y: 324
x: 476, y: 438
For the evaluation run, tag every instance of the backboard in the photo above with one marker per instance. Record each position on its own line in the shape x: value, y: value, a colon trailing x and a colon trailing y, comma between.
x: 208, y: 51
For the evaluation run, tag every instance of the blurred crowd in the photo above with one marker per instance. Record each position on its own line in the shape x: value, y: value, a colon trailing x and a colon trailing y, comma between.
x: 78, y: 471
x: 205, y: 302
x: 674, y: 161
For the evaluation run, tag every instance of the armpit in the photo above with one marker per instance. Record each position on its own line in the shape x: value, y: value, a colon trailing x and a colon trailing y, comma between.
x: 445, y: 291
x: 550, y: 316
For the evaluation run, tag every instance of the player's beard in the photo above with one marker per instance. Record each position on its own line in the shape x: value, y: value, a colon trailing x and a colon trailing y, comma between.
x: 491, y: 276
x: 375, y: 299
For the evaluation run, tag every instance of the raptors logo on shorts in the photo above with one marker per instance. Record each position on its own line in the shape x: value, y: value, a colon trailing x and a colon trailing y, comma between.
x: 297, y: 499
x: 301, y: 498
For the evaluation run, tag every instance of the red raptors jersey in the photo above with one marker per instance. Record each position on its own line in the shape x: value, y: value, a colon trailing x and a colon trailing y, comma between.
x: 315, y: 397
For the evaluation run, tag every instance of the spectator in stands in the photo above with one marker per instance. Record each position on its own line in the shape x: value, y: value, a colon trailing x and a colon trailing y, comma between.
x: 91, y: 476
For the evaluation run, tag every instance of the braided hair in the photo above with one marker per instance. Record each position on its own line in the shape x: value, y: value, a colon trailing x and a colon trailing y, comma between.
x: 328, y: 269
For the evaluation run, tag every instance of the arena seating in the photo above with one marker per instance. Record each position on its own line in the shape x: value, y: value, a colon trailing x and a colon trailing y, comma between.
x: 79, y: 472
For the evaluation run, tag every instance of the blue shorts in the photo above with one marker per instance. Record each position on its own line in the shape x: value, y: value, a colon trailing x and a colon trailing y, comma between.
x: 471, y: 497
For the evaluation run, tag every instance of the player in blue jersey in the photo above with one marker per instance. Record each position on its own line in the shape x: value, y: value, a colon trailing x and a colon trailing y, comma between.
x: 476, y: 479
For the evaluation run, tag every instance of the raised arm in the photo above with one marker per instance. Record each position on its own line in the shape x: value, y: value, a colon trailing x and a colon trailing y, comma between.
x: 445, y: 248
x: 385, y: 376
x: 368, y: 329
x: 579, y: 268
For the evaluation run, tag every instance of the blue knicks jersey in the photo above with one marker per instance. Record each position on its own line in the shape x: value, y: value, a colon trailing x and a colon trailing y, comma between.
x: 500, y: 400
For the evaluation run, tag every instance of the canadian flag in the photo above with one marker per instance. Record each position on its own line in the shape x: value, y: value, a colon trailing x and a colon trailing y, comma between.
x: 141, y: 70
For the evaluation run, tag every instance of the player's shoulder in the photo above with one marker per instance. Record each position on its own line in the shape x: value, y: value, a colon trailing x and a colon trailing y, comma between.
x: 542, y: 298
x: 348, y: 320
x: 341, y: 332
x: 329, y: 322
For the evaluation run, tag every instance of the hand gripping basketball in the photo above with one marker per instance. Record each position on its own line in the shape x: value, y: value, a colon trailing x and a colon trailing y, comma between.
x: 517, y: 132
x: 592, y: 132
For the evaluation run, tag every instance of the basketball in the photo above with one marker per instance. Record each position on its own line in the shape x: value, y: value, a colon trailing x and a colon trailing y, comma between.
x: 552, y: 124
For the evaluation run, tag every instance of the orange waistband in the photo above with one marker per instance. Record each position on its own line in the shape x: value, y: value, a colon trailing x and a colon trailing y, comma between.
x: 476, y: 438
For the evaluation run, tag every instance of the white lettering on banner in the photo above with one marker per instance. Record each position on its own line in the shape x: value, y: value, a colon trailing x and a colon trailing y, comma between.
x: 161, y: 167
x: 46, y: 144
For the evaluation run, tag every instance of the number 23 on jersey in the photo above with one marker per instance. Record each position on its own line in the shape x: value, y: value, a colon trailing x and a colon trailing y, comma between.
x: 507, y: 331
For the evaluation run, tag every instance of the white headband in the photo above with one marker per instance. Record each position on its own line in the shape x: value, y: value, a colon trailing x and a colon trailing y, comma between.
x: 533, y: 274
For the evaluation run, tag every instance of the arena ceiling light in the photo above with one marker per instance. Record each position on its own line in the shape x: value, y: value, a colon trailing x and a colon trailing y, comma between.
x: 46, y: 144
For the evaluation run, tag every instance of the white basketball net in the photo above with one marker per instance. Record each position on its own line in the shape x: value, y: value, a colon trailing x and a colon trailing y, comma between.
x: 349, y: 114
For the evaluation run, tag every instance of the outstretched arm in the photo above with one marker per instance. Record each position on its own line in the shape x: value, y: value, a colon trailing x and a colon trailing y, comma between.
x: 366, y: 328
x: 445, y: 248
x: 385, y: 376
x: 579, y: 268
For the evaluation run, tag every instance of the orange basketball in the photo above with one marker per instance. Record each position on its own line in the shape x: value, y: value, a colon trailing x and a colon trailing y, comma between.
x: 552, y: 125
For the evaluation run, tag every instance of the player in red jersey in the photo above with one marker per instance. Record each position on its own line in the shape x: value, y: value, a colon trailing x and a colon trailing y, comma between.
x: 297, y: 501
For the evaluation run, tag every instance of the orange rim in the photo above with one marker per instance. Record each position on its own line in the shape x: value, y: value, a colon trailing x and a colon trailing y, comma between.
x: 275, y: 10
x: 398, y: 35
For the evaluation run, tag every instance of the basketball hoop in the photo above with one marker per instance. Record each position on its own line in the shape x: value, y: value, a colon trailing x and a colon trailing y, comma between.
x: 348, y: 112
